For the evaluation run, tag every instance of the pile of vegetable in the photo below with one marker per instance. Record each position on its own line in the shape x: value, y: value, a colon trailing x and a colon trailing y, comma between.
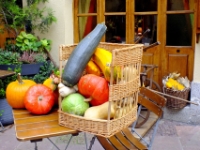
x: 175, y: 82
x: 39, y: 99
x: 87, y: 94
x: 85, y: 80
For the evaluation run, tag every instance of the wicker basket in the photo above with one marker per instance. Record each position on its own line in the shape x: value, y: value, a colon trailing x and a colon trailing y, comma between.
x: 123, y: 92
x: 175, y: 103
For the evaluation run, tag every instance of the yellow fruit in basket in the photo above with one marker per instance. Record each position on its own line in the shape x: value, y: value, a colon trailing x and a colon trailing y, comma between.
x: 92, y: 68
x: 171, y: 83
x: 103, y: 58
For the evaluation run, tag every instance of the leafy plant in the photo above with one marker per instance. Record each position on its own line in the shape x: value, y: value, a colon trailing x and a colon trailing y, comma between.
x: 10, y: 46
x: 44, y: 73
x: 31, y: 17
x: 9, y: 57
x: 28, y: 58
x: 29, y: 42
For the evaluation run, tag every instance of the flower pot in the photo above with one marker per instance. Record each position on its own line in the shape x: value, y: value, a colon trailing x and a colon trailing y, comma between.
x: 26, y: 69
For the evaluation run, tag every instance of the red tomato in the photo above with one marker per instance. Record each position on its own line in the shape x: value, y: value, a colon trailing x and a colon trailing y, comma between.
x: 39, y: 99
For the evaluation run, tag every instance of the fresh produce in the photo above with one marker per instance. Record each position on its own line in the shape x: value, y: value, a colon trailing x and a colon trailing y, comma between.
x: 39, y: 99
x: 74, y: 104
x: 64, y: 90
x: 92, y: 68
x: 95, y: 87
x: 100, y: 112
x: 171, y: 83
x: 49, y: 82
x: 56, y: 96
x: 103, y: 58
x: 81, y: 55
x: 175, y: 82
x: 15, y: 92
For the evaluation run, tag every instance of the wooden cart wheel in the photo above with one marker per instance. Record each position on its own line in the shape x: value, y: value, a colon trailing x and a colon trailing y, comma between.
x: 143, y: 117
x: 154, y: 86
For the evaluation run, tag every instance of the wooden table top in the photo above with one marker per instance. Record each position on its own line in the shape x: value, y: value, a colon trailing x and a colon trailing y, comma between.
x: 5, y: 73
x: 35, y: 127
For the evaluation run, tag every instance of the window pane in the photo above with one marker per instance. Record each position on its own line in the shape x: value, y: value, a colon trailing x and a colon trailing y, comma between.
x: 142, y: 24
x: 87, y: 6
x: 145, y: 5
x: 179, y: 29
x: 116, y: 29
x: 86, y: 25
x: 180, y: 4
x: 115, y: 5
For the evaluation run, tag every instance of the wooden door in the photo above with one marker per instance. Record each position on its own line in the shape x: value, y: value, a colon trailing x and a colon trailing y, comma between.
x: 127, y: 19
x: 177, y: 49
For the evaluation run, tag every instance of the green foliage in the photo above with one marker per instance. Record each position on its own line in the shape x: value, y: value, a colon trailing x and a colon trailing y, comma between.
x: 26, y: 42
x: 44, y: 73
x: 34, y: 15
x: 10, y: 46
x: 9, y: 57
x: 29, y: 42
x: 28, y: 49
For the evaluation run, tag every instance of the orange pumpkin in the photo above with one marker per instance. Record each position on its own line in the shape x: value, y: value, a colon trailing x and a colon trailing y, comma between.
x: 16, y: 90
x: 94, y: 87
x: 39, y: 99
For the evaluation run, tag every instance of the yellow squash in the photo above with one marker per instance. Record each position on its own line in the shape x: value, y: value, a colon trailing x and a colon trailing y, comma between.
x: 92, y: 68
x: 100, y: 111
x: 49, y: 83
x: 103, y: 58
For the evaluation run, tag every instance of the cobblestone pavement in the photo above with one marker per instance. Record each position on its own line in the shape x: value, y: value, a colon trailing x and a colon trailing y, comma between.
x: 171, y: 135
x: 168, y: 128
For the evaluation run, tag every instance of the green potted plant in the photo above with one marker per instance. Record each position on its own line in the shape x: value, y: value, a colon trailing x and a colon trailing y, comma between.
x: 22, y: 22
x: 29, y: 52
x: 33, y: 16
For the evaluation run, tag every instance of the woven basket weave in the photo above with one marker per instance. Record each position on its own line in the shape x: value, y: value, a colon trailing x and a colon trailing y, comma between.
x: 123, y: 92
x: 175, y: 103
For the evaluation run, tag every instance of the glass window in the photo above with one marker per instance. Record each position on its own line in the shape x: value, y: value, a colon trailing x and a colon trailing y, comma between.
x: 145, y: 29
x: 179, y: 29
x: 116, y: 28
x: 145, y: 5
x: 87, y: 6
x: 180, y: 5
x: 86, y: 25
x: 115, y: 5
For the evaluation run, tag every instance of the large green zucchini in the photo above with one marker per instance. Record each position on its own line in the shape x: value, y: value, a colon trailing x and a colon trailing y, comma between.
x: 81, y: 55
